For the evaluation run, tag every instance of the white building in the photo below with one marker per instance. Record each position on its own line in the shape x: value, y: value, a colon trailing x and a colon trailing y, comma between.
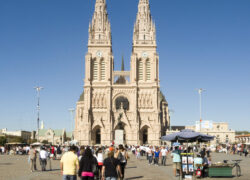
x: 244, y: 138
x: 130, y: 101
x: 220, y: 130
x: 25, y: 135
x: 53, y: 136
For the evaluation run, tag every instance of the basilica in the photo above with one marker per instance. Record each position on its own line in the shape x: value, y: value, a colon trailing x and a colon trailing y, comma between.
x: 121, y: 106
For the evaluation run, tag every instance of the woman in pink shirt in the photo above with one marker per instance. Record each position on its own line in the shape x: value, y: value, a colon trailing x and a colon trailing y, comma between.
x: 88, y: 166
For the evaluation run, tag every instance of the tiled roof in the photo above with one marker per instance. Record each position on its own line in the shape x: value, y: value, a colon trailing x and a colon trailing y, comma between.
x: 57, y: 132
x: 81, y: 97
x: 245, y: 135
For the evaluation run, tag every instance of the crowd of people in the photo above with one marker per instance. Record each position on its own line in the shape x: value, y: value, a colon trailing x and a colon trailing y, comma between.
x: 22, y: 150
x: 109, y: 162
x: 240, y: 149
x: 91, y: 163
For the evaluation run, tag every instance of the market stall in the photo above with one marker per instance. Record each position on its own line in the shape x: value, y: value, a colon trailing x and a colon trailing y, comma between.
x: 187, y: 159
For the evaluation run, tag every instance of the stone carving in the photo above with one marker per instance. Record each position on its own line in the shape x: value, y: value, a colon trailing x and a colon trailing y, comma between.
x: 145, y: 100
x: 80, y: 113
x: 99, y: 100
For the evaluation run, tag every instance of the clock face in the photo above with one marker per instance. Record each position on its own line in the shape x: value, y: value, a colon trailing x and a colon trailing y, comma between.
x: 145, y: 54
x: 99, y: 53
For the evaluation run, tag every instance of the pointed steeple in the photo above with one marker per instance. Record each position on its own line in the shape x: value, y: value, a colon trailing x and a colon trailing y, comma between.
x: 122, y: 66
x: 99, y: 28
x: 144, y: 28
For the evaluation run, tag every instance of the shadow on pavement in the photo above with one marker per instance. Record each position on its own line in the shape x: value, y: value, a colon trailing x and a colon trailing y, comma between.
x: 131, y: 167
x: 137, y: 177
x: 6, y: 163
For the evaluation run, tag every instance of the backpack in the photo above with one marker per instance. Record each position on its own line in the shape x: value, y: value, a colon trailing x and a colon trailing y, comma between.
x: 121, y: 157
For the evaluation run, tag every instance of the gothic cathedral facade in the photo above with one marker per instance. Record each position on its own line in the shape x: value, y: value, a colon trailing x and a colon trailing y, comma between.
x: 130, y: 101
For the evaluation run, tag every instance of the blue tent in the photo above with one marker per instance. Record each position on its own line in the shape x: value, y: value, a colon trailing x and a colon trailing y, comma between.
x: 187, y: 135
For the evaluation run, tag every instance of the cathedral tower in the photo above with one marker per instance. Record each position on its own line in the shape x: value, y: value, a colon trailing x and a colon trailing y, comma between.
x: 98, y: 79
x: 99, y: 59
x: 144, y: 60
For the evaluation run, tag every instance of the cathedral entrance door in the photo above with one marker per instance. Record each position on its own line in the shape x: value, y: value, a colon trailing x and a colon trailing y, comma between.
x: 98, y: 136
x: 144, y: 135
x: 120, y: 135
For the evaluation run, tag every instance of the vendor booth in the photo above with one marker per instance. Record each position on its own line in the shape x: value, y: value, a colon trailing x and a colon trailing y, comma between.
x: 187, y: 158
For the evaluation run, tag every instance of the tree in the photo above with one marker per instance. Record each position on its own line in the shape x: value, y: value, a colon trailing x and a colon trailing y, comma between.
x: 45, y: 142
x: 242, y: 132
x: 3, y: 140
x: 15, y: 139
x: 31, y: 141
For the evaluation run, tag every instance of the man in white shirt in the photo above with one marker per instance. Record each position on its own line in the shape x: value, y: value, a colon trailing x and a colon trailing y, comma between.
x: 3, y: 150
x: 150, y: 153
x: 163, y: 155
x: 43, y: 158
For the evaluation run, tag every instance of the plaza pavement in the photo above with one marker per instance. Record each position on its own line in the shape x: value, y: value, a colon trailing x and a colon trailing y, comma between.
x: 17, y: 168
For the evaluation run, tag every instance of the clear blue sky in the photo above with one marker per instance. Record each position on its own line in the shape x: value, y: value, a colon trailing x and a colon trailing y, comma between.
x: 201, y: 44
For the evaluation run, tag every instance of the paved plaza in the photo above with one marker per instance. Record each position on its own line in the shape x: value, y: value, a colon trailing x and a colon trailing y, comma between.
x: 17, y: 168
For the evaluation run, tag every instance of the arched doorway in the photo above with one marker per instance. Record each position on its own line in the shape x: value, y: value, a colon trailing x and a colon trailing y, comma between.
x: 144, y: 135
x: 96, y: 135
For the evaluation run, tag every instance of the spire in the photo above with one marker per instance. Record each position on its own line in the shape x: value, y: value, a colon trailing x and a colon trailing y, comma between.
x: 143, y: 2
x: 144, y: 28
x: 122, y: 66
x: 99, y: 28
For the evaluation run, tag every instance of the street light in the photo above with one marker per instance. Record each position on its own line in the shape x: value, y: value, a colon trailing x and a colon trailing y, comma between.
x: 170, y: 111
x: 72, y: 110
x: 38, y: 89
x: 200, y: 91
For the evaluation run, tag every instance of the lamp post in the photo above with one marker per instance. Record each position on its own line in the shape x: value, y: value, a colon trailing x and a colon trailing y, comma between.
x: 72, y: 110
x: 38, y: 89
x: 200, y: 91
x: 170, y: 111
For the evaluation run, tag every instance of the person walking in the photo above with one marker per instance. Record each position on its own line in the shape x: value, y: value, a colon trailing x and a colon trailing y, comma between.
x: 99, y: 157
x: 176, y: 160
x: 43, y: 158
x: 110, y: 167
x: 59, y: 152
x: 245, y: 151
x: 150, y: 155
x: 49, y: 159
x: 156, y: 156
x: 122, y: 156
x: 138, y: 153
x: 32, y: 156
x: 69, y: 164
x: 163, y: 156
x: 88, y: 166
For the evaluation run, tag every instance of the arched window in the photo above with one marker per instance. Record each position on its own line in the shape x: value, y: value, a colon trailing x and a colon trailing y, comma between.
x: 148, y: 69
x: 122, y: 102
x: 102, y: 70
x: 140, y: 70
x: 95, y: 70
